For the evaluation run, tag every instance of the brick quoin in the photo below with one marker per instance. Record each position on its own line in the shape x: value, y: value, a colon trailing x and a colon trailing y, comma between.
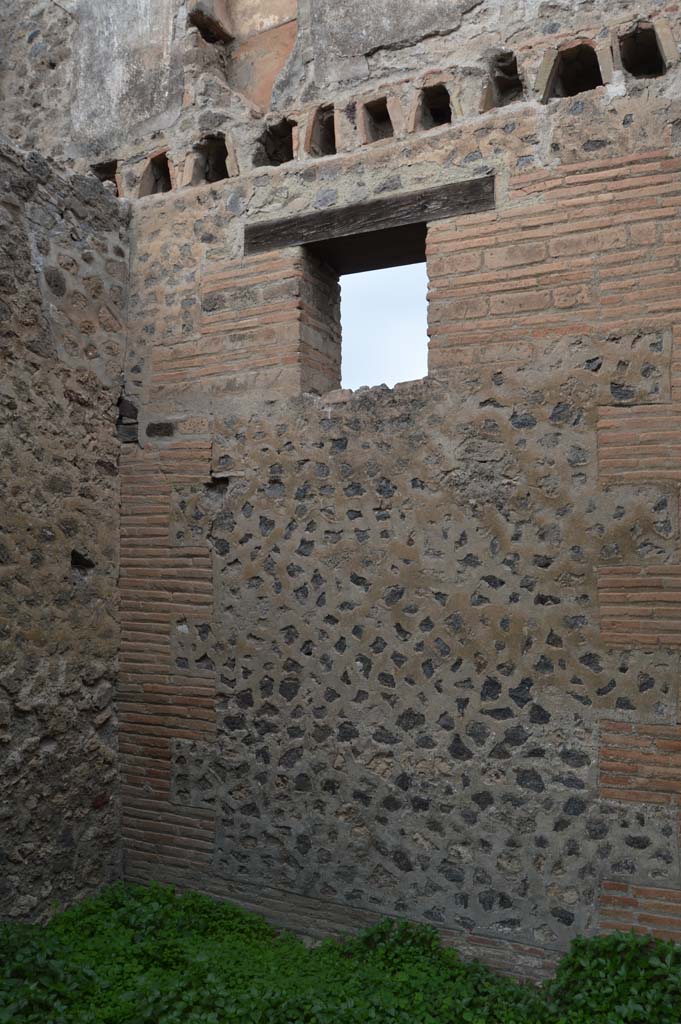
x: 641, y: 764
x: 267, y: 318
x: 161, y: 583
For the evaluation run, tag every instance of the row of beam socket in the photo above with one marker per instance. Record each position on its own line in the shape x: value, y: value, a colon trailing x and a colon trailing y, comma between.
x: 645, y: 50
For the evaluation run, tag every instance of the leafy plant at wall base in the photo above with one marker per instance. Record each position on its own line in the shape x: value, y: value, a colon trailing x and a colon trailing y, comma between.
x: 136, y: 955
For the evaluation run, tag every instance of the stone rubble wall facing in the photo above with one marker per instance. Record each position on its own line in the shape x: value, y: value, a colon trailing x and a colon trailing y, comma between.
x: 409, y: 651
x: 63, y: 305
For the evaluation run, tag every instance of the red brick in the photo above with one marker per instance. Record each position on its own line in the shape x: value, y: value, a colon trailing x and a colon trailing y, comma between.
x: 515, y: 255
x: 599, y: 241
x: 520, y: 302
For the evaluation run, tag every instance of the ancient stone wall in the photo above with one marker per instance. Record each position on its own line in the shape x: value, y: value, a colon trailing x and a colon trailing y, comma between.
x: 383, y: 653
x: 63, y: 304
x: 398, y: 629
x: 406, y: 652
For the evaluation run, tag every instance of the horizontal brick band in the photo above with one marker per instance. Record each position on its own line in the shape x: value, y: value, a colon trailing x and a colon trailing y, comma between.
x: 640, y: 605
x: 640, y: 763
x: 640, y: 443
x: 594, y: 247
x: 643, y: 909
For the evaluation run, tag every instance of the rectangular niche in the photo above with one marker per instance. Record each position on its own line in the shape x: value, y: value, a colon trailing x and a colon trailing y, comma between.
x: 434, y: 107
x: 505, y: 84
x: 377, y: 120
x: 156, y: 178
x: 575, y: 69
x: 107, y: 172
x: 322, y: 136
x: 276, y: 145
x: 210, y: 160
x: 640, y: 52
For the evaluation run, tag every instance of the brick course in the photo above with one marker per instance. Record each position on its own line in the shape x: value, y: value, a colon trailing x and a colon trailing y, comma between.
x: 641, y: 909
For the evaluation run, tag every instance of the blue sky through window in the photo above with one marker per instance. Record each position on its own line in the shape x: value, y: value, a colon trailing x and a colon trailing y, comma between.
x: 384, y: 316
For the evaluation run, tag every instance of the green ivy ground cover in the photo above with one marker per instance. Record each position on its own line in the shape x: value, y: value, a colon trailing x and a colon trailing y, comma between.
x: 136, y: 955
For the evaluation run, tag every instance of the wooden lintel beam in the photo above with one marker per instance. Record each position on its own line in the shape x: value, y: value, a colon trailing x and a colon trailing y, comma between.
x: 453, y: 200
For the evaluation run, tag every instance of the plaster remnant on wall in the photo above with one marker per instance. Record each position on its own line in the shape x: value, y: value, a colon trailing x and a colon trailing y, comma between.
x: 124, y: 73
x: 354, y: 28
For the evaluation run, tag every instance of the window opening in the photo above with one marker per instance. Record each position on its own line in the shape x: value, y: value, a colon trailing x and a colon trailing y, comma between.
x: 211, y: 164
x: 641, y: 55
x: 106, y: 172
x: 385, y: 233
x: 384, y: 324
x: 323, y: 135
x: 156, y: 178
x: 435, y: 107
x: 576, y: 70
x: 275, y: 145
x: 377, y: 119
